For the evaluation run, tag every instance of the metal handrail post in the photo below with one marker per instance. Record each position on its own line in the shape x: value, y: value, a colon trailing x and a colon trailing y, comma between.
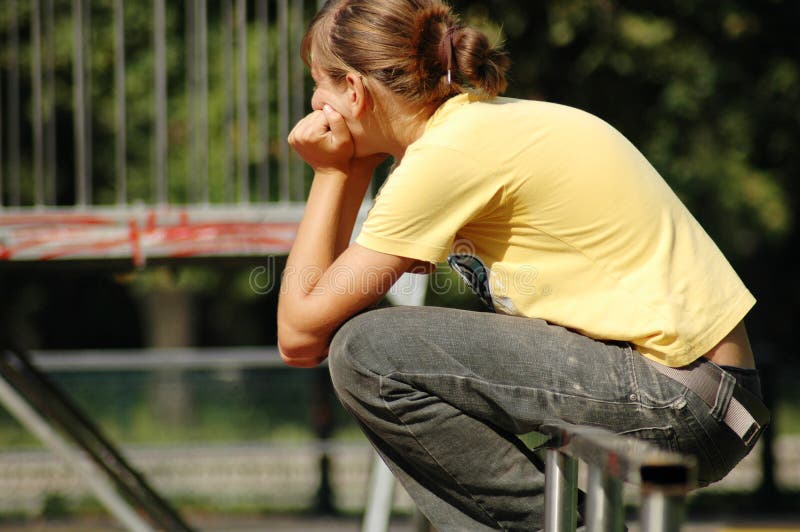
x: 88, y: 470
x: 662, y: 510
x: 665, y: 478
x: 604, y: 509
x: 379, y: 503
x: 243, y: 161
x: 79, y: 101
x: 36, y: 81
x: 663, y: 495
x: 120, y: 127
x: 160, y: 187
x: 560, y: 492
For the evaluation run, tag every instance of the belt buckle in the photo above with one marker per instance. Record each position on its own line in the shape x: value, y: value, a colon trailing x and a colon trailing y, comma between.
x: 751, y: 434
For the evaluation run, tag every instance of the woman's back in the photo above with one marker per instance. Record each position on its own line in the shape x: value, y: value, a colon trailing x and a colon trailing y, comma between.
x: 572, y: 222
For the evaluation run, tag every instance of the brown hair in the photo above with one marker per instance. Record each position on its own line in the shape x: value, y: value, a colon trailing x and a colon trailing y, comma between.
x: 406, y: 45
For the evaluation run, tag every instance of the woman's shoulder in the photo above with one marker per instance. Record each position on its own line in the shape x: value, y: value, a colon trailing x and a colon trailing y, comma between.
x: 477, y: 126
x: 477, y: 114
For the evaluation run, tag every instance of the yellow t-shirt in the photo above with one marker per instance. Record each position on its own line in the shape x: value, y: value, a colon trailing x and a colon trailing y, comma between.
x: 572, y: 223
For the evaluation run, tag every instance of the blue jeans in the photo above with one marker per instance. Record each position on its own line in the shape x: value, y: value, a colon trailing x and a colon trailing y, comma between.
x: 443, y: 395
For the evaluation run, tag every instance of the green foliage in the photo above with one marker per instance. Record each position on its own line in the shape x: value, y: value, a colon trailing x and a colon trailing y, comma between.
x: 55, y: 506
x: 223, y: 133
x: 708, y: 92
x: 266, y: 405
x: 447, y: 289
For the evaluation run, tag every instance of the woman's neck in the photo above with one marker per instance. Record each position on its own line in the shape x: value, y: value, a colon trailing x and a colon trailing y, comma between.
x: 405, y: 134
x: 400, y: 123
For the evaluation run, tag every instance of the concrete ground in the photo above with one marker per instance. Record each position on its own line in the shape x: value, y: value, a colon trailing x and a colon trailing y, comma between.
x: 398, y: 524
x: 22, y: 473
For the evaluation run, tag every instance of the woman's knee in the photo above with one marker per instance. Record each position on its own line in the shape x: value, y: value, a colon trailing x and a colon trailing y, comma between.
x: 357, y: 361
x: 344, y: 343
x: 356, y: 347
x: 384, y: 341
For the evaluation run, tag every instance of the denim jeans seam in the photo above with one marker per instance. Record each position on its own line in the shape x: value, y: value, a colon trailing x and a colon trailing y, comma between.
x: 723, y: 397
x: 356, y: 365
x: 671, y: 403
x: 718, y: 454
x: 381, y: 379
x: 491, y: 348
x: 629, y: 366
x: 354, y: 361
x: 559, y: 394
x: 668, y: 430
x: 668, y: 406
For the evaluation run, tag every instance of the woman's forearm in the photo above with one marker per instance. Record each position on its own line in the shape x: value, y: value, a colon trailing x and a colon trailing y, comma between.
x: 313, y: 299
x: 314, y: 248
x: 313, y: 251
x: 349, y: 213
x: 323, y: 234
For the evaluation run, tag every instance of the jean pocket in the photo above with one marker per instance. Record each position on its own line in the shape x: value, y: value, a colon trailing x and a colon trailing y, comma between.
x: 655, y: 390
x: 662, y: 437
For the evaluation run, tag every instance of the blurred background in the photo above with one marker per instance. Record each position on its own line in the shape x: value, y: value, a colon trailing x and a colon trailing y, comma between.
x: 152, y: 134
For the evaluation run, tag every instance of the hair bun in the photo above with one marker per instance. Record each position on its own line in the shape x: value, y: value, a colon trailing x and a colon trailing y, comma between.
x: 451, y: 54
x: 481, y: 63
x: 427, y: 32
x: 407, y: 45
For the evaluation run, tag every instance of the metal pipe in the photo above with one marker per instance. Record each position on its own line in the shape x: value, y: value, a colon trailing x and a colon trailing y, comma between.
x: 36, y: 81
x: 50, y: 168
x: 298, y: 93
x: 561, y: 492
x: 119, y: 83
x: 87, y: 97
x: 262, y: 15
x: 2, y: 203
x: 91, y: 473
x: 283, y: 98
x: 191, y: 103
x: 241, y: 33
x: 604, y: 512
x: 151, y: 359
x: 227, y: 89
x: 202, y: 75
x: 160, y: 157
x: 421, y: 523
x: 13, y: 106
x: 379, y: 505
x: 78, y: 111
x: 661, y: 511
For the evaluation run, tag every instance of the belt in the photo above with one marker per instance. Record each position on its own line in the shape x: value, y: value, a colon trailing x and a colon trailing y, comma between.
x: 746, y: 414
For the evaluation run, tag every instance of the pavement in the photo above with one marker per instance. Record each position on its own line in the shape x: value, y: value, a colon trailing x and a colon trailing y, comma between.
x: 732, y: 523
x: 28, y: 476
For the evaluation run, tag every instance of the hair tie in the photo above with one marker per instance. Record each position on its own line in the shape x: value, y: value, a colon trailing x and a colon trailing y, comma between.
x: 446, y: 50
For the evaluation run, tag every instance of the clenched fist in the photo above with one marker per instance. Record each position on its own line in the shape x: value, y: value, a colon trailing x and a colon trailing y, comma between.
x: 323, y: 140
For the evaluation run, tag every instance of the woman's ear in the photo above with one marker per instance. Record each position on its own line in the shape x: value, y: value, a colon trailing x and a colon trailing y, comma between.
x: 358, y: 95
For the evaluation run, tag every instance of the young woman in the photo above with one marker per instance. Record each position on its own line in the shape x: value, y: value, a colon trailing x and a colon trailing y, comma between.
x: 612, y: 305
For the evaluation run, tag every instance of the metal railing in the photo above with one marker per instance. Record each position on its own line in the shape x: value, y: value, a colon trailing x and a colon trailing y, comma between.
x: 664, y: 479
x: 221, y: 102
x: 41, y: 406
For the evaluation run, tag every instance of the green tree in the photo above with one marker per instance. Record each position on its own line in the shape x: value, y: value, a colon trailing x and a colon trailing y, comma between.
x: 708, y: 91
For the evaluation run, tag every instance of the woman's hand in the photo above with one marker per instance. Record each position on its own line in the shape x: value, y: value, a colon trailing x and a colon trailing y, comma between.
x: 323, y: 140
x: 311, y: 308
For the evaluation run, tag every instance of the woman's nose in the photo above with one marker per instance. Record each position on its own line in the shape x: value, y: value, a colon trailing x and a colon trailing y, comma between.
x: 316, y: 102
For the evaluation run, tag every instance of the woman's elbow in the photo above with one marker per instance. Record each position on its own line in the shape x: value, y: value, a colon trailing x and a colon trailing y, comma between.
x: 298, y: 362
x: 299, y: 350
x: 300, y: 359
